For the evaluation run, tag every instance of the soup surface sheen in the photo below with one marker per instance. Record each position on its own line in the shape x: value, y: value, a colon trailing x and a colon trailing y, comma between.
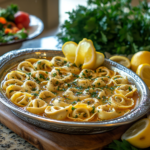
x: 59, y: 90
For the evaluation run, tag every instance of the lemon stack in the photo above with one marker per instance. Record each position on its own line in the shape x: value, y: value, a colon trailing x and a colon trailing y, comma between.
x: 83, y: 54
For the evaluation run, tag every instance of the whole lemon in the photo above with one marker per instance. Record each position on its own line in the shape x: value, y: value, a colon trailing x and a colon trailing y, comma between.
x: 140, y: 58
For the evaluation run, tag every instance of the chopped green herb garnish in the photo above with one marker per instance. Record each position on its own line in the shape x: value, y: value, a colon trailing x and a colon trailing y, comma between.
x: 93, y: 109
x: 54, y: 74
x: 28, y: 73
x: 39, y: 62
x: 35, y: 94
x: 130, y: 88
x: 73, y: 108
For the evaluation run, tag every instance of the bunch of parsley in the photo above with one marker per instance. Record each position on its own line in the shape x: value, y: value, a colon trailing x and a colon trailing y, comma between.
x: 121, y: 145
x: 114, y: 26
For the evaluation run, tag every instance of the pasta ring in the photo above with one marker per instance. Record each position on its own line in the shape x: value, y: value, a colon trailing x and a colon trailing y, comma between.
x: 40, y: 76
x: 31, y: 86
x: 122, y: 102
x: 58, y: 61
x: 21, y: 99
x: 46, y: 95
x: 37, y: 106
x: 119, y: 79
x: 43, y: 64
x: 127, y: 90
x: 12, y: 82
x: 17, y: 75
x: 61, y: 75
x: 83, y: 83
x: 61, y: 102
x: 91, y: 102
x: 25, y: 66
x: 88, y: 74
x: 10, y: 90
x: 56, y: 112
x: 74, y: 94
x: 103, y: 71
x: 102, y: 81
x: 106, y: 112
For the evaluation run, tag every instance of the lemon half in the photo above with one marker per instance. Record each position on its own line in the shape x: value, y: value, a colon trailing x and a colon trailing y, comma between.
x: 138, y: 134
x: 121, y: 60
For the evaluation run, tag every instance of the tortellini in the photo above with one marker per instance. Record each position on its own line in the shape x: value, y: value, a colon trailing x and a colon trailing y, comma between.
x: 17, y: 75
x: 127, y: 90
x: 25, y: 66
x: 21, y: 98
x: 10, y: 90
x: 122, y: 102
x: 46, y: 95
x: 103, y: 71
x: 118, y: 79
x: 106, y: 112
x: 82, y: 112
x: 88, y: 74
x: 57, y: 112
x: 37, y: 106
x: 12, y: 82
x: 58, y: 89
x: 75, y: 94
x: 31, y: 86
x: 58, y: 61
x: 43, y: 65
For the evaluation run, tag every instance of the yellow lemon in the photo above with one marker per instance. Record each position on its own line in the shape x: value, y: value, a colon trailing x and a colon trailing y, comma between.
x: 121, y: 60
x: 99, y: 60
x: 143, y: 71
x: 85, y: 54
x: 69, y: 50
x: 140, y: 58
x: 138, y: 134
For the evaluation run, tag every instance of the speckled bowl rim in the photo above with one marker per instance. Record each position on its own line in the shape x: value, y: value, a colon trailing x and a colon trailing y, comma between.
x: 136, y: 113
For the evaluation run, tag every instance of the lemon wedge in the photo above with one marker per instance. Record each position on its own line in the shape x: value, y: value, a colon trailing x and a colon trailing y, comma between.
x: 69, y: 50
x: 121, y: 60
x: 99, y: 60
x: 85, y: 54
x: 138, y: 134
x: 143, y: 71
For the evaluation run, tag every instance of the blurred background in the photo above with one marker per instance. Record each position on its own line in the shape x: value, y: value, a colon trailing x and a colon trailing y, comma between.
x: 51, y: 12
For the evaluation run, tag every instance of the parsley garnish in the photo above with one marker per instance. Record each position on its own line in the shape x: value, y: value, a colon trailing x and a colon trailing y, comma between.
x: 73, y: 108
x: 93, y: 109
x: 54, y: 74
x: 39, y: 62
x: 130, y: 88
x: 28, y: 73
x: 35, y: 94
x: 42, y: 76
x: 11, y: 91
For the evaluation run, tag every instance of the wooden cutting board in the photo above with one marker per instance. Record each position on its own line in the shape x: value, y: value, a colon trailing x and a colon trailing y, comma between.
x: 48, y: 140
